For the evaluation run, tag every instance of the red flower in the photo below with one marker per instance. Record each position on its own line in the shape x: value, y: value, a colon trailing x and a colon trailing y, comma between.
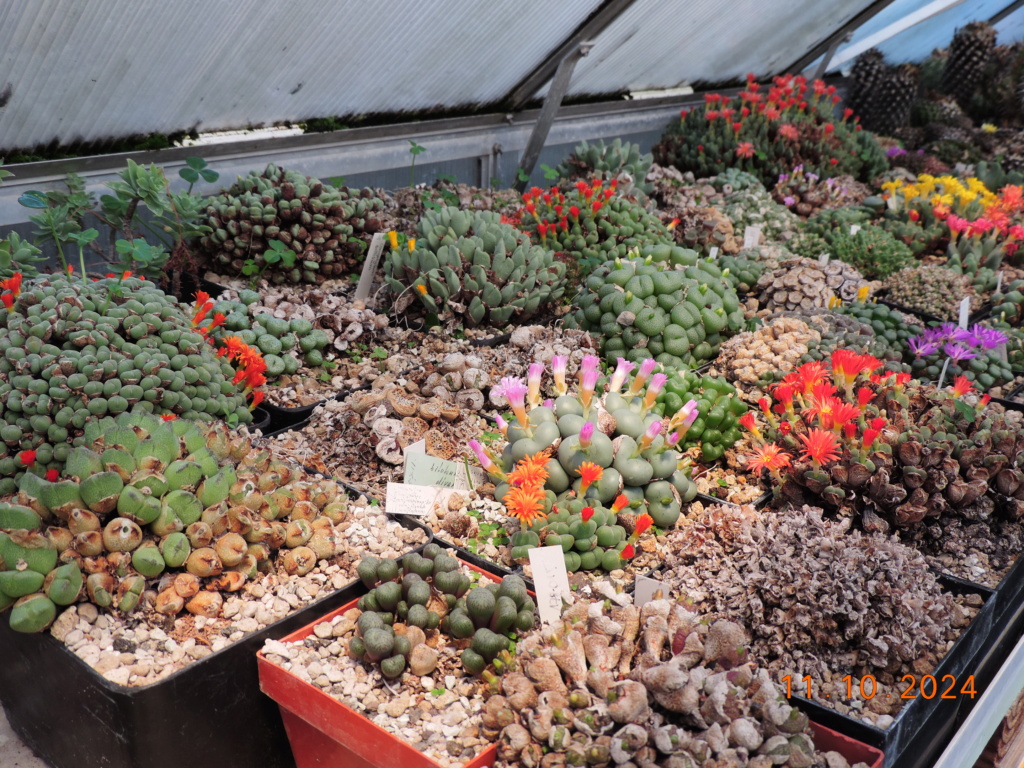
x: 877, y: 423
x: 961, y: 386
x: 785, y: 428
x: 870, y: 435
x: 847, y: 113
x: 820, y: 445
x: 574, y: 211
x: 257, y: 398
x: 587, y: 513
x: 597, y: 205
x: 627, y: 552
x: 829, y: 129
x: 745, y: 149
x: 850, y: 429
x: 834, y: 160
x: 8, y: 300
x: 27, y: 458
x: 12, y: 284
x: 914, y: 215
x: 765, y: 405
x: 864, y: 396
x: 643, y: 522
x: 769, y: 457
x: 168, y: 417
x: 52, y: 475
x: 711, y: 114
x: 621, y: 501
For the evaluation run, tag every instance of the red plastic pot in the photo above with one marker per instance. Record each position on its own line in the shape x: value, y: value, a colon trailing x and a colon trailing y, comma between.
x: 324, y: 733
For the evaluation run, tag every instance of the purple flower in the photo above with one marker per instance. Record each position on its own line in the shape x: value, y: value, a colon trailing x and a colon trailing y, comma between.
x: 966, y: 336
x: 921, y: 347
x: 933, y: 336
x: 958, y: 352
x: 991, y: 338
x: 948, y: 330
x: 812, y: 177
x: 783, y: 177
x: 895, y: 152
x: 788, y: 201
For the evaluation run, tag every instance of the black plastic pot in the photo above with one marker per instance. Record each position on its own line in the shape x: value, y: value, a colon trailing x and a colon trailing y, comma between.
x: 922, y: 727
x: 284, y: 419
x: 188, y: 284
x: 209, y: 713
x: 474, y: 559
x: 260, y: 419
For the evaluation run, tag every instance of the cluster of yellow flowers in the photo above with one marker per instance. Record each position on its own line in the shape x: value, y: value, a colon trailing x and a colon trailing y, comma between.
x: 947, y: 194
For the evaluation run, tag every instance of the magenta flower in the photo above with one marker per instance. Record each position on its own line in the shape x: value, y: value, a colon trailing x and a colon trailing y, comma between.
x: 502, y: 425
x: 558, y: 364
x: 654, y: 389
x: 622, y: 370
x: 586, y: 434
x: 534, y: 374
x: 646, y: 369
x: 652, y: 432
x: 514, y: 390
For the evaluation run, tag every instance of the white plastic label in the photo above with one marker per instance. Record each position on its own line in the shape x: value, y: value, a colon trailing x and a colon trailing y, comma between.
x: 713, y: 254
x: 415, y: 500
x: 942, y: 376
x: 965, y: 311
x: 999, y: 281
x: 370, y: 266
x: 751, y: 236
x: 854, y: 229
x: 823, y: 259
x: 647, y: 589
x: 550, y: 580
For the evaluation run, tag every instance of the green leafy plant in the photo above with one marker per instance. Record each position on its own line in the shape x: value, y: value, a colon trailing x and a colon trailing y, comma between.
x: 276, y: 253
x: 415, y: 150
x: 196, y: 168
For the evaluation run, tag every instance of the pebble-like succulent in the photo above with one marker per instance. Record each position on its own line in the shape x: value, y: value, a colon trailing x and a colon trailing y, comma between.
x: 74, y: 352
x: 930, y: 290
x: 806, y: 284
x: 702, y: 228
x: 754, y: 206
x: 324, y: 230
x: 190, y: 510
x: 665, y: 303
x: 754, y: 358
x: 590, y: 223
x: 806, y: 194
x: 715, y: 429
x: 612, y: 161
x: 476, y: 267
x: 891, y: 331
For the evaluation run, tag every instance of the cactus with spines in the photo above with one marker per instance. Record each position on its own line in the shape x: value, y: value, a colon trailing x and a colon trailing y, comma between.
x: 665, y: 303
x: 476, y: 267
x: 432, y: 592
x: 323, y: 231
x: 969, y: 54
x: 74, y: 351
x: 173, y: 506
x: 608, y: 162
x: 590, y: 223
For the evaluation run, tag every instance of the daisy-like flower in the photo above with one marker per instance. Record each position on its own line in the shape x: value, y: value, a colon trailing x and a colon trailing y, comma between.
x: 12, y: 284
x: 864, y: 396
x: 747, y: 422
x: 961, y: 386
x: 646, y: 369
x: 589, y: 473
x: 643, y: 522
x: 620, y: 503
x: 534, y: 374
x: 531, y: 471
x: 526, y: 504
x: 922, y: 347
x: 820, y: 446
x: 169, y: 417
x: 649, y: 435
x: 840, y: 415
x: 958, y: 352
x: 770, y: 457
x: 514, y: 390
x: 654, y: 389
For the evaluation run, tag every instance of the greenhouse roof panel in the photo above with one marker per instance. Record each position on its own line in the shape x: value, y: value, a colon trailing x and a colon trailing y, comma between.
x: 84, y: 72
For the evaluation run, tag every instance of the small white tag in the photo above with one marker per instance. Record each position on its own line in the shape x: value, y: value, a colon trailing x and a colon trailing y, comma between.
x: 942, y: 376
x: 751, y: 236
x: 416, y: 500
x: 823, y: 259
x: 965, y: 311
x: 420, y: 446
x: 646, y: 589
x: 854, y: 229
x: 550, y: 580
x: 713, y: 254
x: 999, y: 281
x: 370, y: 266
x: 1002, y: 353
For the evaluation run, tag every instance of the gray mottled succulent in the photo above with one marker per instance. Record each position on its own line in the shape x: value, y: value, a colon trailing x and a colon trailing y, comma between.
x: 931, y: 290
x: 608, y: 162
x: 805, y: 284
x: 476, y: 267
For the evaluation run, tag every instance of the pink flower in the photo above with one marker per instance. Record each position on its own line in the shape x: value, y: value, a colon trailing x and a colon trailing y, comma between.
x: 534, y: 375
x: 622, y: 370
x: 745, y: 149
x: 558, y: 364
x: 586, y: 434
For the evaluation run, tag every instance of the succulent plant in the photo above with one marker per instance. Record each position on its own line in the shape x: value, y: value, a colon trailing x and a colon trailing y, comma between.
x: 930, y: 290
x: 872, y: 250
x: 19, y: 256
x: 475, y: 266
x: 74, y: 352
x: 969, y: 54
x: 719, y: 409
x: 971, y: 352
x: 890, y: 339
x: 1008, y: 303
x: 806, y: 284
x: 806, y: 194
x: 150, y: 503
x: 754, y: 206
x: 753, y: 359
x: 590, y: 223
x: 701, y: 229
x: 606, y: 162
x: 604, y: 445
x: 665, y: 303
x: 768, y: 134
x: 743, y: 271
x: 285, y: 344
x: 430, y: 591
x: 323, y: 230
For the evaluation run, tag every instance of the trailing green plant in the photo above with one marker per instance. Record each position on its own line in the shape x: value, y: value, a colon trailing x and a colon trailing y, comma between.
x: 327, y: 229
x: 663, y: 303
x: 589, y: 223
x: 475, y: 267
x: 76, y: 351
x: 607, y: 162
x: 144, y: 500
x: 768, y: 133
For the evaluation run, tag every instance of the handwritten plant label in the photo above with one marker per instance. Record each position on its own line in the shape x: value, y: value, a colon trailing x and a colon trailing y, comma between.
x: 751, y: 236
x: 404, y: 499
x: 370, y: 266
x: 423, y: 469
x: 823, y: 259
x: 965, y: 311
x: 713, y: 254
x: 647, y: 589
x: 550, y: 580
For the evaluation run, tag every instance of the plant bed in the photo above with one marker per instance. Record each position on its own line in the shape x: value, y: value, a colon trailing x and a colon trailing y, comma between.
x: 427, y: 720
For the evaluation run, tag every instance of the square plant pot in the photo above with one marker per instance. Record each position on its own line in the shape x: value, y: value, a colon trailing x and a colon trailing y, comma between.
x: 211, y: 712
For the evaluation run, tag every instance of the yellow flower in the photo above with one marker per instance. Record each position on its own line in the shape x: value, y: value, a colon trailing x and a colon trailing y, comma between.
x: 942, y: 200
x: 412, y: 244
x: 862, y: 293
x: 909, y: 191
x: 393, y: 237
x: 976, y: 185
x: 892, y: 186
x: 988, y: 128
x: 422, y: 289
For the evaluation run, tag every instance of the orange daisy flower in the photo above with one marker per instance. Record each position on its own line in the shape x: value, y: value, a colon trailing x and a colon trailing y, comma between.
x: 589, y: 473
x: 531, y: 471
x: 770, y: 457
x: 527, y: 504
x: 820, y: 446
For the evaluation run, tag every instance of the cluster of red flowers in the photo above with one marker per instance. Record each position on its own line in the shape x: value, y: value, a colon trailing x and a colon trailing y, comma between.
x: 11, y: 288
x: 554, y: 211
x: 249, y: 363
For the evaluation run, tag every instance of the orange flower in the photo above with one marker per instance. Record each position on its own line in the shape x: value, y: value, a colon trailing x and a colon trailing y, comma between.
x: 527, y: 504
x: 257, y: 398
x: 643, y: 522
x: 8, y: 300
x: 770, y: 457
x: 531, y: 471
x: 589, y: 473
x: 961, y: 386
x: 422, y: 289
x: 627, y: 552
x: 168, y: 417
x: 745, y: 149
x: 12, y: 284
x: 587, y: 513
x: 820, y: 446
x: 747, y: 422
x: 621, y: 501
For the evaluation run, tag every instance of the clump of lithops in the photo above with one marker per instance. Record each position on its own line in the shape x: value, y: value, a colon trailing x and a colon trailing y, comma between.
x: 589, y: 445
x: 430, y: 591
x: 930, y: 290
x: 74, y: 351
x: 753, y: 358
x: 807, y: 194
x: 885, y: 449
x: 589, y: 223
x: 767, y: 132
x: 753, y: 206
x: 618, y: 160
x: 285, y: 227
x: 612, y: 684
x: 1008, y: 303
x: 185, y: 509
x: 665, y: 303
x: 864, y: 327
x: 702, y: 228
x: 971, y: 352
x: 475, y: 267
x: 716, y: 428
x: 806, y: 283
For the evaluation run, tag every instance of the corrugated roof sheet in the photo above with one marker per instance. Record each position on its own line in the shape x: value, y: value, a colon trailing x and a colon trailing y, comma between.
x: 916, y: 43
x: 657, y: 44
x: 91, y: 71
